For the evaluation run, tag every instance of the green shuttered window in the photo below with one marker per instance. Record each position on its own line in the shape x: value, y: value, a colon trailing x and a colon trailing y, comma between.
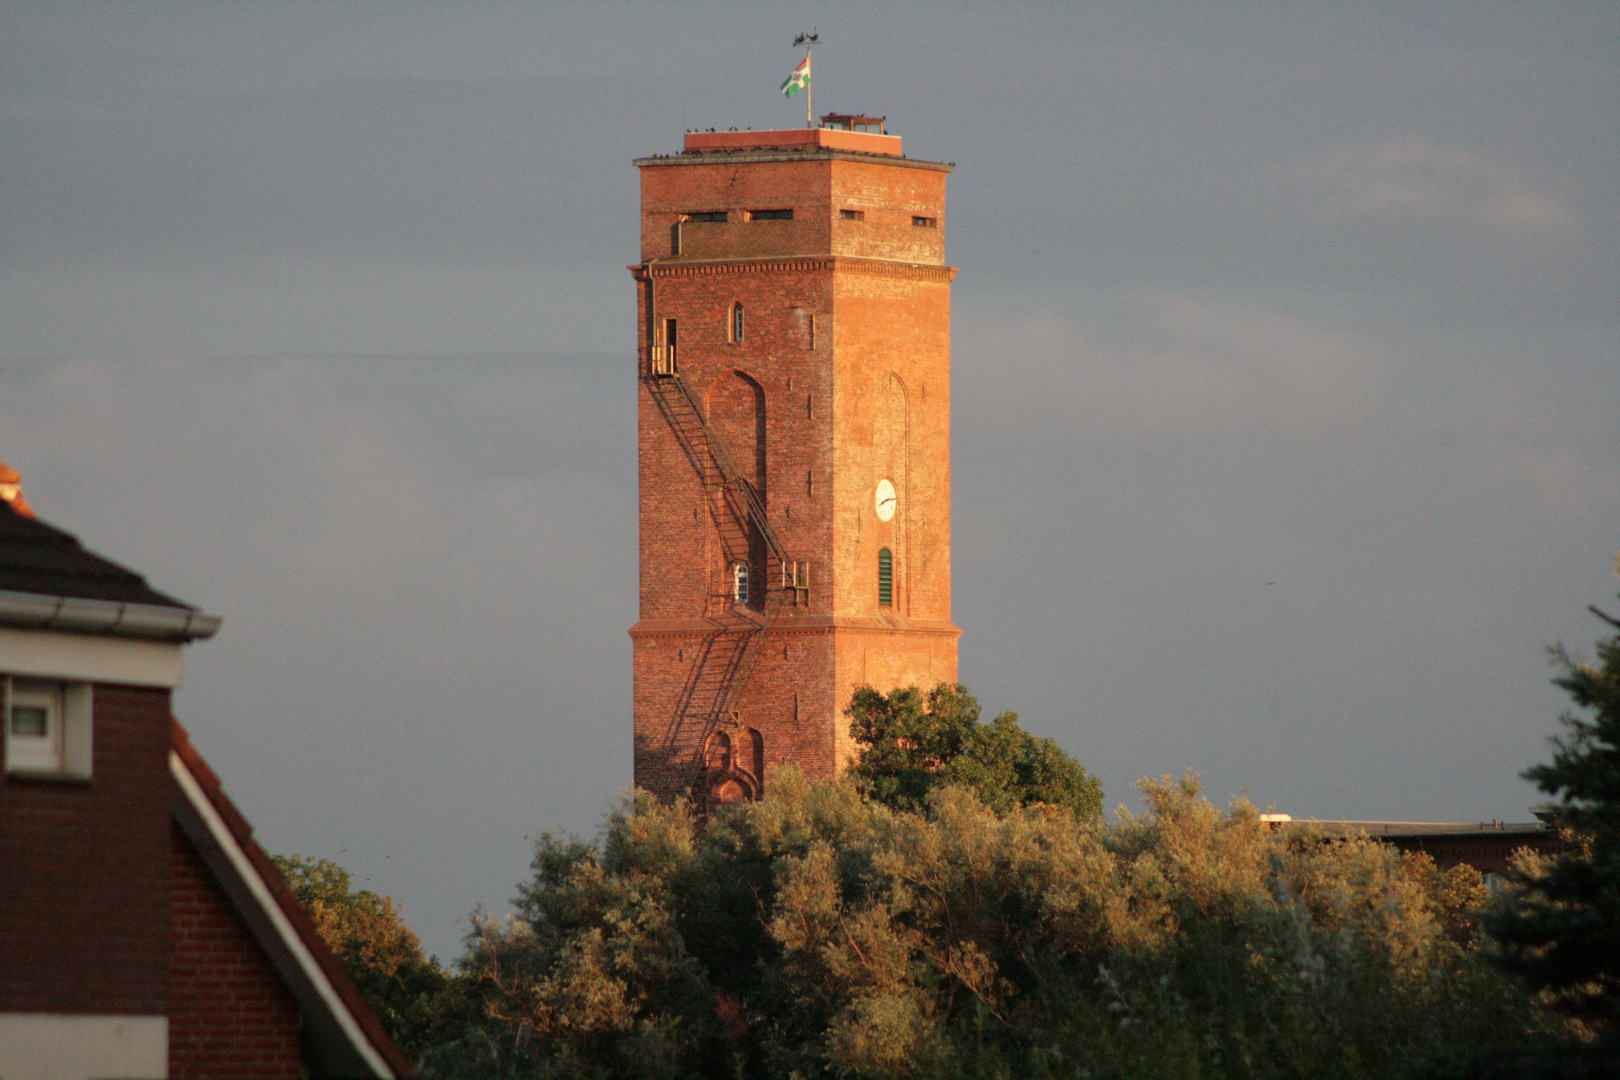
x: 885, y: 578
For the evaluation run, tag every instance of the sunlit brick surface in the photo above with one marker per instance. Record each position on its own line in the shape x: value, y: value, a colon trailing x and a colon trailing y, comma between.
x: 841, y: 379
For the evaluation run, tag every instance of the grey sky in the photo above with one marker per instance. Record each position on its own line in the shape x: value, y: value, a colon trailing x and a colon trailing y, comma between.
x: 1287, y: 353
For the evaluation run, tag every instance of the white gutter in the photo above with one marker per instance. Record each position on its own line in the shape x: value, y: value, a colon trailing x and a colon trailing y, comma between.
x: 290, y: 938
x: 36, y: 611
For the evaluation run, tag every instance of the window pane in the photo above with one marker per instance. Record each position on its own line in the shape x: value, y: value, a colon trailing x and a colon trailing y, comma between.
x: 29, y: 720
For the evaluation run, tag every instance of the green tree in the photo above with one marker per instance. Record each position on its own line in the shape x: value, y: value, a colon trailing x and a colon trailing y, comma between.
x: 592, y: 974
x: 381, y: 954
x: 1559, y: 928
x: 821, y: 934
x: 911, y: 744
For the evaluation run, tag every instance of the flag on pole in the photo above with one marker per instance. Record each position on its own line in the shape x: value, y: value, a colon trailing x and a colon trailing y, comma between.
x: 798, y: 80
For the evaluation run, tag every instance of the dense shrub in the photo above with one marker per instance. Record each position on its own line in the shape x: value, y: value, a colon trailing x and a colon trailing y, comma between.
x: 822, y: 934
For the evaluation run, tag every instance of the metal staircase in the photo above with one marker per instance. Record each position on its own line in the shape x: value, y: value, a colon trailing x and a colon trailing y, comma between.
x: 728, y: 657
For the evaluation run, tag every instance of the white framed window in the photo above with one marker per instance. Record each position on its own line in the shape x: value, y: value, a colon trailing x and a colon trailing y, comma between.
x: 739, y: 582
x: 47, y: 727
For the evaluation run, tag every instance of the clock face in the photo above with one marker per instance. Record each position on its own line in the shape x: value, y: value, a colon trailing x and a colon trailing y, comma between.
x: 885, y: 500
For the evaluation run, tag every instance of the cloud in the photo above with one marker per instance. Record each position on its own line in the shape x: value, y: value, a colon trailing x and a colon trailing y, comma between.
x: 1197, y: 380
x: 1171, y: 366
x: 1417, y: 177
x: 426, y: 568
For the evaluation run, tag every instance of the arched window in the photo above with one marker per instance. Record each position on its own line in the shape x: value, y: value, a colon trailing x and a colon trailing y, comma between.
x: 718, y: 755
x: 736, y: 322
x: 885, y: 578
x: 739, y: 582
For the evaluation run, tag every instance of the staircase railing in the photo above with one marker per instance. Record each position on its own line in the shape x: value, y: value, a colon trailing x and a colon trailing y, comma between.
x: 795, y: 575
x: 728, y: 470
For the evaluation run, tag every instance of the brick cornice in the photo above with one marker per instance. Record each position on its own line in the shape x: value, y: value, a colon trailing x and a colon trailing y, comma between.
x: 761, y: 154
x: 838, y: 264
x: 805, y: 624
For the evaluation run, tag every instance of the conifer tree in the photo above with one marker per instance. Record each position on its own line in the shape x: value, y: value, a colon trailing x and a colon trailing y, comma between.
x: 1560, y: 929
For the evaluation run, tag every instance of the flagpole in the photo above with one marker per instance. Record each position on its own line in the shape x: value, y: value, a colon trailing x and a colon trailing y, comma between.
x: 810, y: 89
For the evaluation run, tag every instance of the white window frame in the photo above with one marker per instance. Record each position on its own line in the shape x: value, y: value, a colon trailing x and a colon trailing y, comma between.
x: 65, y: 747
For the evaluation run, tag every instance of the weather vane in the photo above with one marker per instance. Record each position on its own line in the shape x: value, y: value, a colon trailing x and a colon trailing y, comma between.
x: 800, y: 79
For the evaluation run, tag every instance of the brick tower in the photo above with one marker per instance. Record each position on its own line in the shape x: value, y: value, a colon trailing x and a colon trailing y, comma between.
x: 794, y: 432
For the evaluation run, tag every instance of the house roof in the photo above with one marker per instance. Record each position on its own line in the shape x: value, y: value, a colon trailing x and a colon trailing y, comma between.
x: 343, y: 1035
x: 1430, y: 830
x: 48, y: 580
x: 40, y: 558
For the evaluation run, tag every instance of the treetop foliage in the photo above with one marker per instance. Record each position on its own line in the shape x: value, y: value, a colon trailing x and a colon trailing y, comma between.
x: 823, y: 934
x: 912, y: 744
x: 957, y: 907
x: 370, y: 939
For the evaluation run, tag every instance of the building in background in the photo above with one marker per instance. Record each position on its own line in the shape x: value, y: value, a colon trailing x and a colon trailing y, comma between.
x: 1487, y: 846
x: 794, y: 435
x: 143, y: 932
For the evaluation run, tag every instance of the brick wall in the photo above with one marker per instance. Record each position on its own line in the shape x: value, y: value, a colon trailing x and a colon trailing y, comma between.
x: 84, y: 871
x: 229, y: 1013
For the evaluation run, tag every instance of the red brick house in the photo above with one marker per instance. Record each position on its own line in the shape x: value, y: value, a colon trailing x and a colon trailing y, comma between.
x: 143, y: 931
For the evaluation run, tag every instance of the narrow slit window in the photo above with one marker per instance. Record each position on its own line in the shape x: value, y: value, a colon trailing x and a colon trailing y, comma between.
x: 770, y: 215
x: 852, y: 215
x: 707, y: 215
x: 924, y: 222
x: 812, y: 332
x: 736, y: 322
x: 885, y: 578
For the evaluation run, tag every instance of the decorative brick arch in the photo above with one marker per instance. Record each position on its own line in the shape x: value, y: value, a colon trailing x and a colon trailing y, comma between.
x: 734, y: 766
x: 735, y: 406
x: 735, y: 403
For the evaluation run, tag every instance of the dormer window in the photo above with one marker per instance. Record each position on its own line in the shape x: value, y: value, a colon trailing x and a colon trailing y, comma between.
x: 770, y: 215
